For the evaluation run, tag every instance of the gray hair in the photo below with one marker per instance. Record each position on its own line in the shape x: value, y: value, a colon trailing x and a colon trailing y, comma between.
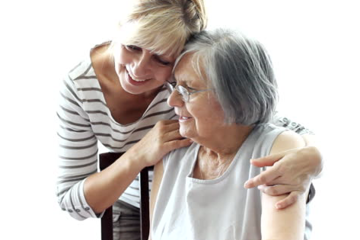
x: 240, y: 71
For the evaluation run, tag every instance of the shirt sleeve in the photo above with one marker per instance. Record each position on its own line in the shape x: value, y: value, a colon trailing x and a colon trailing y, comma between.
x: 282, y: 121
x: 77, y: 153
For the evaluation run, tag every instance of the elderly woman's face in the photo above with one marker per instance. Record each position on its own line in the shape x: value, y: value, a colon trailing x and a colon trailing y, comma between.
x: 202, y: 116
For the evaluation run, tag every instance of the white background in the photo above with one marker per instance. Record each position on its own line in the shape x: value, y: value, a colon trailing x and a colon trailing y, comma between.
x: 315, y: 50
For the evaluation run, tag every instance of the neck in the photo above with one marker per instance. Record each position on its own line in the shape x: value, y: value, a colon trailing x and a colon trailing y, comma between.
x: 215, y: 156
x: 228, y: 141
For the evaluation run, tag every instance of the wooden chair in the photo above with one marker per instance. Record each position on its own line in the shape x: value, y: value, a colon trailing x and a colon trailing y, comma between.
x: 106, y: 159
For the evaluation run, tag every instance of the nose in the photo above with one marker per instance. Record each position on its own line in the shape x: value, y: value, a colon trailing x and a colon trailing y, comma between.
x: 175, y: 99
x: 141, y: 67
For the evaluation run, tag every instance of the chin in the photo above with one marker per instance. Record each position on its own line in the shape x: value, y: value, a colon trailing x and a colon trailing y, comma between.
x: 137, y: 90
x: 182, y: 133
x: 186, y: 134
x: 133, y: 91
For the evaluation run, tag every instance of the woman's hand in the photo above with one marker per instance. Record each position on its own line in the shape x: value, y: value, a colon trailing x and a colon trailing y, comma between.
x: 291, y: 172
x: 160, y: 140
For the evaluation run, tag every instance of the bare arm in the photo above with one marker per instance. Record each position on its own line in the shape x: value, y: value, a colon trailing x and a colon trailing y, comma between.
x: 104, y: 188
x: 292, y: 171
x: 287, y: 224
x: 306, y: 162
x: 81, y: 191
x: 158, y: 174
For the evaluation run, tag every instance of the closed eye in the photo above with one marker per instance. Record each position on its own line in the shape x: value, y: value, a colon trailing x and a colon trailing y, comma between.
x: 190, y: 89
x: 132, y: 48
x: 161, y: 61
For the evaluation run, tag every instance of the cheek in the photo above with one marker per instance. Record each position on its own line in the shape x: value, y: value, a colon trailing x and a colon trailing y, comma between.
x: 212, y: 117
x: 204, y: 125
x: 163, y: 74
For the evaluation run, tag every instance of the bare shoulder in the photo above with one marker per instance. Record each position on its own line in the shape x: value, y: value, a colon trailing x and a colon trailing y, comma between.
x: 287, y: 140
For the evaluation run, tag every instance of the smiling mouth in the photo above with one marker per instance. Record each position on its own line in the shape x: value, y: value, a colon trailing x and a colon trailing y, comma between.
x: 134, y: 79
x: 183, y: 119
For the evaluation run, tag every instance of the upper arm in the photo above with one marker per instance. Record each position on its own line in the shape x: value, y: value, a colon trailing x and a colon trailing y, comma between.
x: 287, y: 140
x: 158, y: 175
x: 310, y: 139
x: 287, y: 223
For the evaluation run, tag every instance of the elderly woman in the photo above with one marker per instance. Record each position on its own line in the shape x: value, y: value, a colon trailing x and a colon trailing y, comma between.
x: 226, y: 93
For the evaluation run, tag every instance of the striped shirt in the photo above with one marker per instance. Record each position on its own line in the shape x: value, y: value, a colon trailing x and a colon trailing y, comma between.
x: 85, y: 120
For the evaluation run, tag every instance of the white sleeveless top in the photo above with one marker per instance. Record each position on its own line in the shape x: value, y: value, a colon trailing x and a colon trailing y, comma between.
x: 218, y: 209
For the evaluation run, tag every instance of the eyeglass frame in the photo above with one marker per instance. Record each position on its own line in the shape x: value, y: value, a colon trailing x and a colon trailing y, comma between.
x: 183, y: 91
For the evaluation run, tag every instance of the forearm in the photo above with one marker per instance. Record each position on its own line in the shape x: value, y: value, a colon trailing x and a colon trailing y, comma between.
x: 74, y: 168
x: 311, y: 150
x: 73, y: 202
x: 104, y: 188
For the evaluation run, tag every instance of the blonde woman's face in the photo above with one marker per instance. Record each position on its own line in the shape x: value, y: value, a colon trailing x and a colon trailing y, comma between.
x: 140, y: 70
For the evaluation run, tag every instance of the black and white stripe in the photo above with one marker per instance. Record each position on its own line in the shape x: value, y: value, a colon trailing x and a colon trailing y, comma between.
x: 84, y: 121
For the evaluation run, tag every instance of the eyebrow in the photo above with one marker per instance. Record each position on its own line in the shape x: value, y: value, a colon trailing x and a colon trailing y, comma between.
x: 164, y: 58
x: 176, y: 80
x: 185, y: 84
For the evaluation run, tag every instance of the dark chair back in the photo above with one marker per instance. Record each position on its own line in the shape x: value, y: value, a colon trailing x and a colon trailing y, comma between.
x: 106, y: 159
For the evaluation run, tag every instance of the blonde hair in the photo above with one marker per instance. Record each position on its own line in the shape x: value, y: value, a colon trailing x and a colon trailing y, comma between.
x: 164, y: 26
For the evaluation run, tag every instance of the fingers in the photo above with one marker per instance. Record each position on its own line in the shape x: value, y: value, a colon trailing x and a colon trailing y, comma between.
x: 288, y: 201
x: 164, y: 131
x: 173, y: 133
x: 172, y: 124
x: 264, y: 178
x: 171, y: 139
x: 175, y: 139
x: 268, y: 160
x: 277, y: 190
x: 175, y: 144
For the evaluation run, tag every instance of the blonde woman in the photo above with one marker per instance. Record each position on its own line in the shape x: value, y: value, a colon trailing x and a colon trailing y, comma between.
x: 117, y: 97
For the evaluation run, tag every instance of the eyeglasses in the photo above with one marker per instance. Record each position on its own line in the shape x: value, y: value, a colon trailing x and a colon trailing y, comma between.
x: 183, y: 91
